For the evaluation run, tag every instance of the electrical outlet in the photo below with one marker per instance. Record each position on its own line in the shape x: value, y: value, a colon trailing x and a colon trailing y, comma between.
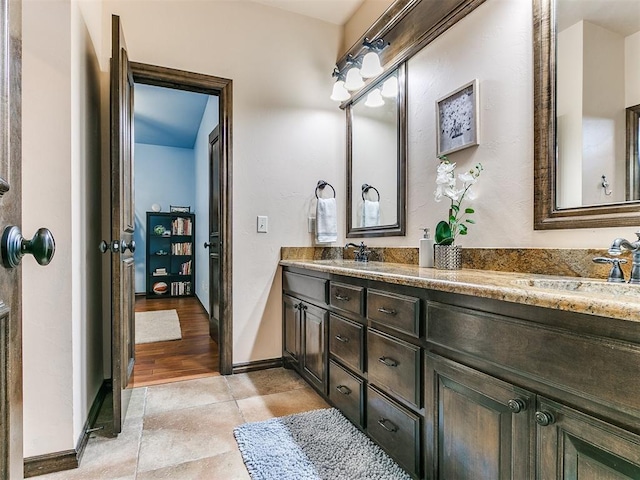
x: 263, y: 222
x: 311, y: 224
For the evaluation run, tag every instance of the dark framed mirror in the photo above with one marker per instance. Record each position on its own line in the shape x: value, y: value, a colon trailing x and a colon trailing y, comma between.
x: 376, y: 158
x: 585, y: 98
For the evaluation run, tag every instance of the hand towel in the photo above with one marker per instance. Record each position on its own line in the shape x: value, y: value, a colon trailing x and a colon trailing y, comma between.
x: 370, y: 213
x: 326, y: 220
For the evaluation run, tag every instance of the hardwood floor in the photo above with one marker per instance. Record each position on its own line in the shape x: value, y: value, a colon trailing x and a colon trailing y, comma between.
x: 194, y: 356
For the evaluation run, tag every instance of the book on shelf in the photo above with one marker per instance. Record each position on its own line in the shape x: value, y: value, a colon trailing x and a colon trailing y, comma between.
x: 181, y: 226
x: 185, y: 268
x: 184, y: 248
x: 180, y: 288
x: 159, y: 272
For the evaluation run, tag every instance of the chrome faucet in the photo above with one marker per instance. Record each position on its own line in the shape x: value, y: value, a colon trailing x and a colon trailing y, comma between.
x: 362, y: 254
x: 620, y: 244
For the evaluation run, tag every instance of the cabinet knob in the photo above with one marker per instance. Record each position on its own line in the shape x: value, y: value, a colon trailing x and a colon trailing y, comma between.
x: 544, y: 418
x: 386, y: 311
x: 14, y: 246
x: 342, y: 339
x: 388, y: 425
x: 517, y: 405
x: 342, y: 298
x: 343, y: 389
x: 389, y: 362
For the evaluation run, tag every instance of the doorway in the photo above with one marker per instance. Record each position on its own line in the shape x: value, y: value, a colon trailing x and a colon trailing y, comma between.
x: 196, y: 354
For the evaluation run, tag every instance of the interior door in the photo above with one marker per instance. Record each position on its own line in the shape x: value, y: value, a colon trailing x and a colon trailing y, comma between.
x: 122, y: 226
x: 215, y: 239
x: 10, y: 213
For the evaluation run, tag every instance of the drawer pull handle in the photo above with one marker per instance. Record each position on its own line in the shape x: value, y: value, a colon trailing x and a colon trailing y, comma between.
x: 342, y: 339
x: 544, y: 418
x: 383, y: 423
x: 344, y: 389
x: 389, y: 362
x: 342, y: 298
x: 517, y: 405
x: 387, y: 312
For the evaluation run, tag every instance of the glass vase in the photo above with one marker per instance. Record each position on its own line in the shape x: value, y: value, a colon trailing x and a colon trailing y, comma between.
x: 448, y: 257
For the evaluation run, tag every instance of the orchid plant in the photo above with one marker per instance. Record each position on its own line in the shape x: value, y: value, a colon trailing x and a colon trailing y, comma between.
x: 446, y: 186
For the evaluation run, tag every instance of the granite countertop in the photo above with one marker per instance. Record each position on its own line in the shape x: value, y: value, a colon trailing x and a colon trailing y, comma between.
x: 582, y: 295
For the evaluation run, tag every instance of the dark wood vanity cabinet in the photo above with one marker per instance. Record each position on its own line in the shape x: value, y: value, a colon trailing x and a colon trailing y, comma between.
x: 459, y: 387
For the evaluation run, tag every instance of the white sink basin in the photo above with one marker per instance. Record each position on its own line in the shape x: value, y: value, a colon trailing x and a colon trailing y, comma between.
x: 584, y: 286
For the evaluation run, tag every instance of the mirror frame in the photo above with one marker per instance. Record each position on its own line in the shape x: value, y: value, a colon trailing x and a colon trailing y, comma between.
x: 398, y: 228
x: 546, y: 214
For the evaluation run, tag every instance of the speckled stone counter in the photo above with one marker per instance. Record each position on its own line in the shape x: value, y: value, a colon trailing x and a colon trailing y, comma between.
x: 623, y: 304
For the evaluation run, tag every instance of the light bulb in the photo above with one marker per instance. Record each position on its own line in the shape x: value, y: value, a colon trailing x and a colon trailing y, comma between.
x: 390, y: 88
x: 354, y: 79
x: 340, y: 94
x: 371, y: 65
x: 374, y: 99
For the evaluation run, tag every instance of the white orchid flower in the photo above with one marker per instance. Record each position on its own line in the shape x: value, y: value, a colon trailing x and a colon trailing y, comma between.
x: 467, y: 178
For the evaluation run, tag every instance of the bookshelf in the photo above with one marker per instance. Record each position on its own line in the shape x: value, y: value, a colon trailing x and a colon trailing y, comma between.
x: 170, y: 254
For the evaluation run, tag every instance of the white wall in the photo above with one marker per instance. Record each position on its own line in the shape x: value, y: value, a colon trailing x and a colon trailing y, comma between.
x: 201, y: 154
x: 61, y: 190
x: 632, y: 70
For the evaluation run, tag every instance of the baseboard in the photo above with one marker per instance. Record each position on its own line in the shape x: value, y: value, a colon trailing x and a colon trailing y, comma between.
x: 67, y: 459
x: 257, y: 365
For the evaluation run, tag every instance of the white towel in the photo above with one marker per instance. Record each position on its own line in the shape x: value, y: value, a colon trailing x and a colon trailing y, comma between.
x: 326, y: 220
x: 370, y: 213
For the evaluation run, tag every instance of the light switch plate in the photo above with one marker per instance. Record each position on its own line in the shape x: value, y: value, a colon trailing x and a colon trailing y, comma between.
x: 311, y: 225
x: 263, y: 223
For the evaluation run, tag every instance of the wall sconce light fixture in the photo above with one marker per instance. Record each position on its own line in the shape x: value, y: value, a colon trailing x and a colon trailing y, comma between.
x: 390, y: 87
x: 374, y: 99
x: 371, y: 62
x: 339, y: 93
x: 354, y: 78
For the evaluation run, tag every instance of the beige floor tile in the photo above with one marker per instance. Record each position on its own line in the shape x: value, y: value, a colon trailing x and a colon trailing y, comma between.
x: 177, y: 436
x: 187, y: 394
x: 264, y: 382
x: 255, y: 409
x: 227, y: 466
x: 137, y: 403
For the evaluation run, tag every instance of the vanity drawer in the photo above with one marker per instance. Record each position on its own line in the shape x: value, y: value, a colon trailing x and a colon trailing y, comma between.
x: 395, y: 366
x: 346, y: 392
x: 305, y: 286
x: 347, y: 297
x: 346, y: 340
x: 395, y: 429
x: 395, y: 311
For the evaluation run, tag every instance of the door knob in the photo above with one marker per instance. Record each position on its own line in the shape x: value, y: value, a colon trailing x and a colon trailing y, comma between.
x: 131, y: 246
x: 105, y: 247
x: 207, y: 245
x: 14, y: 246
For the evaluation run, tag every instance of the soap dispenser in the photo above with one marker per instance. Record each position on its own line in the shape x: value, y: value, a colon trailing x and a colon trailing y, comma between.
x: 426, y: 249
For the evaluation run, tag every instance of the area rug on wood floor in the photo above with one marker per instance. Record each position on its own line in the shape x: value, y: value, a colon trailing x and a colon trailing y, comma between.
x: 315, y: 445
x: 158, y: 326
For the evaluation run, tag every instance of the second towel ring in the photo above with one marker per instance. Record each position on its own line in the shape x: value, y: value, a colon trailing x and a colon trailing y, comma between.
x: 322, y: 184
x: 366, y: 187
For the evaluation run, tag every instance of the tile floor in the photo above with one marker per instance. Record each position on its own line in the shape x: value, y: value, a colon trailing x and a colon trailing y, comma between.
x: 184, y: 430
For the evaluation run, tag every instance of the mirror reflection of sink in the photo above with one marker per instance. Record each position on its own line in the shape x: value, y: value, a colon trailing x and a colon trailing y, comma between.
x: 582, y: 286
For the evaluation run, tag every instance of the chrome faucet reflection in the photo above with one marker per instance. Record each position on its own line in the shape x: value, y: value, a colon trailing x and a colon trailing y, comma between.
x: 361, y: 254
x: 620, y: 244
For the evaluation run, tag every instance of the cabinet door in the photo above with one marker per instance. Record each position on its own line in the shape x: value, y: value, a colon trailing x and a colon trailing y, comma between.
x: 575, y: 446
x: 314, y: 351
x: 291, y: 334
x: 476, y: 426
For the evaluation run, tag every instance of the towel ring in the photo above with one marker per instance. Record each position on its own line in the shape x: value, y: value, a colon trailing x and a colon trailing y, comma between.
x: 322, y: 184
x: 366, y: 187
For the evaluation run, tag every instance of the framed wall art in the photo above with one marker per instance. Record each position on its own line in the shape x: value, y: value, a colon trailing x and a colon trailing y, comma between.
x: 175, y: 208
x: 457, y: 119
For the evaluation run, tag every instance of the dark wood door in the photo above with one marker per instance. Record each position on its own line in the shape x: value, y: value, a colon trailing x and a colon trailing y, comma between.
x: 575, y: 446
x: 291, y: 334
x: 215, y: 239
x: 314, y: 351
x: 11, y: 465
x: 122, y: 226
x: 476, y: 426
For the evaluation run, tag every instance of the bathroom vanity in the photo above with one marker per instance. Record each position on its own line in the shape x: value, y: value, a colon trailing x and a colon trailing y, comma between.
x: 472, y: 374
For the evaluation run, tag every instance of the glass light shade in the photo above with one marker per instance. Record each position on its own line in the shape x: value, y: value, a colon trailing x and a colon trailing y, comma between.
x: 354, y: 79
x: 374, y: 99
x: 340, y: 94
x: 371, y: 65
x: 390, y: 88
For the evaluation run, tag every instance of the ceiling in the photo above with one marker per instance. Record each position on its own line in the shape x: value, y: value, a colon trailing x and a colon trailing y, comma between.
x: 332, y: 11
x: 167, y: 117
x: 621, y: 16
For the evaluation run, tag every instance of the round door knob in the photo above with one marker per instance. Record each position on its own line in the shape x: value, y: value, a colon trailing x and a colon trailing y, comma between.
x: 207, y: 245
x: 544, y: 418
x: 14, y: 246
x: 103, y: 246
x: 517, y: 405
x: 131, y: 246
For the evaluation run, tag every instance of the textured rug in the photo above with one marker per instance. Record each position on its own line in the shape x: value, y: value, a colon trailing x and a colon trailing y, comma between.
x: 158, y: 326
x: 315, y: 445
